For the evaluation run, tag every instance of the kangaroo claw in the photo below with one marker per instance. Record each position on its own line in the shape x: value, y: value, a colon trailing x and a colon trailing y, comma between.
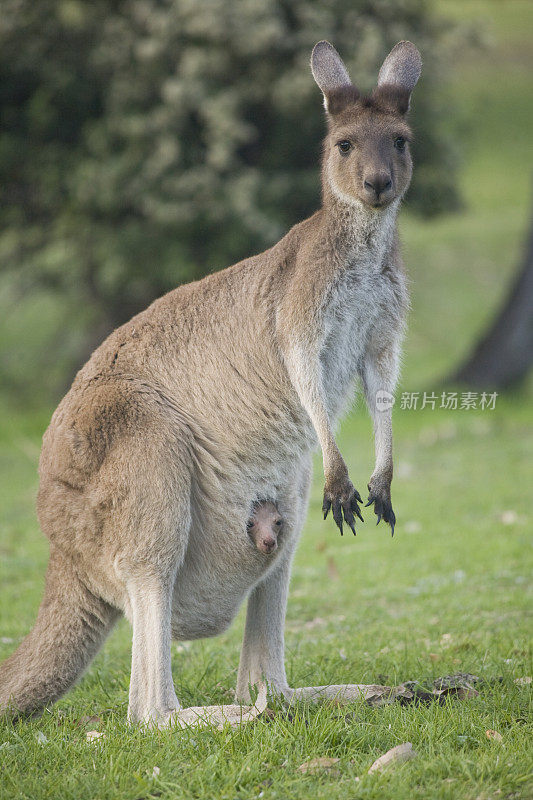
x: 344, y: 506
x: 383, y: 510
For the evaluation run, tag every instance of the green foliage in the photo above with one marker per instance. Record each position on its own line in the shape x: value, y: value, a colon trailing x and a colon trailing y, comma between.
x: 146, y: 143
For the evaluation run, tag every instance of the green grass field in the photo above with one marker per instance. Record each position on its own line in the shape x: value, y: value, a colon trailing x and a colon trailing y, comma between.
x: 451, y: 592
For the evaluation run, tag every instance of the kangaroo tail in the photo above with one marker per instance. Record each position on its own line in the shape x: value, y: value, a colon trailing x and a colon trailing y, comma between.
x: 71, y: 626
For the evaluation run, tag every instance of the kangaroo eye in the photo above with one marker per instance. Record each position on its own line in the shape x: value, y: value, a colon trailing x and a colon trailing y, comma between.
x: 277, y: 523
x: 344, y: 146
x: 250, y: 524
x: 399, y: 143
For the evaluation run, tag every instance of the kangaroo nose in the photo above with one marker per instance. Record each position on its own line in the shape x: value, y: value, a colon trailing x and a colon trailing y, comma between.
x: 269, y: 544
x: 377, y: 184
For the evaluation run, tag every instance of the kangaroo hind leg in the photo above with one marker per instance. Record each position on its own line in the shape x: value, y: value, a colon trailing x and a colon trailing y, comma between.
x: 152, y: 698
x: 153, y: 536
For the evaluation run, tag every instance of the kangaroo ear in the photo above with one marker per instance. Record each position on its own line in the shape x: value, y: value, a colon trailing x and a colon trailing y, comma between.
x: 328, y: 70
x: 401, y: 70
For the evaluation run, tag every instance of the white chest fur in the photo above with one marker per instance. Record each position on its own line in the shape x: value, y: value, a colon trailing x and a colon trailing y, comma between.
x: 362, y: 301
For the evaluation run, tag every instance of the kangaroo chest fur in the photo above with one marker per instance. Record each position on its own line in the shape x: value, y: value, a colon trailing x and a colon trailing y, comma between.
x: 350, y: 325
x: 365, y: 303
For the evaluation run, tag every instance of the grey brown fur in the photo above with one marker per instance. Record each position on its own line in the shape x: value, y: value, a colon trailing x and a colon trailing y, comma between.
x: 213, y: 396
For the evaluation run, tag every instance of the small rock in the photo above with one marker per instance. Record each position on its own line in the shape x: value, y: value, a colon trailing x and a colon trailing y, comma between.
x: 41, y: 738
x: 397, y: 755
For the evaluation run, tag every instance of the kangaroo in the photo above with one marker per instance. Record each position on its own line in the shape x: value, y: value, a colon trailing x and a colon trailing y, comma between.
x: 264, y: 526
x: 213, y: 396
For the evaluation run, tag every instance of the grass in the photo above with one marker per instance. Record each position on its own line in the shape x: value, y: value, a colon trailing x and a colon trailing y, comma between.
x: 451, y: 592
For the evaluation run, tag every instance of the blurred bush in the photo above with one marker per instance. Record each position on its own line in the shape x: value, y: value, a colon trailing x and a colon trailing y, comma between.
x: 145, y: 143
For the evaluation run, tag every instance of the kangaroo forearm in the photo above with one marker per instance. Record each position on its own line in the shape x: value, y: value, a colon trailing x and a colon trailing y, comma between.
x: 332, y: 459
x: 383, y: 445
x: 379, y: 381
x: 303, y: 368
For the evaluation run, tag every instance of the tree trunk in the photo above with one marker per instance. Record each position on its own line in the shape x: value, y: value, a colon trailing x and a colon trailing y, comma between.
x: 504, y: 354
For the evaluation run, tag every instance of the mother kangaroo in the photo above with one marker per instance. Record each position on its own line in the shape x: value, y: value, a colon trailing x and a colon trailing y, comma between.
x: 211, y: 398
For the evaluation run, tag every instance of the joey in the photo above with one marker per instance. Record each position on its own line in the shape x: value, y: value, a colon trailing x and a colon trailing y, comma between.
x: 264, y: 526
